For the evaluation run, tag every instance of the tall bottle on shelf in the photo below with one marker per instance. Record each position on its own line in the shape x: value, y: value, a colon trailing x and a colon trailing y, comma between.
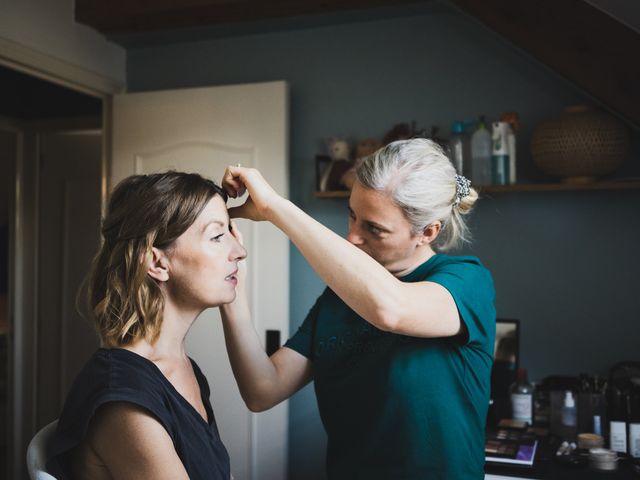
x: 459, y: 148
x: 513, y: 120
x: 499, y: 153
x: 481, y: 155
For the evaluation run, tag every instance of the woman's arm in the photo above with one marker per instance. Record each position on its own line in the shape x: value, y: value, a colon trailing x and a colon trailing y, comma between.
x: 419, y: 309
x: 263, y: 381
x: 128, y: 442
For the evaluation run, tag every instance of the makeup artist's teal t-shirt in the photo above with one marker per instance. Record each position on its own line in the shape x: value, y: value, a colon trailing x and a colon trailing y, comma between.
x: 400, y: 407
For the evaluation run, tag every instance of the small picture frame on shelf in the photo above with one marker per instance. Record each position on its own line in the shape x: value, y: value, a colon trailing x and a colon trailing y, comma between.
x: 322, y: 164
x: 329, y: 173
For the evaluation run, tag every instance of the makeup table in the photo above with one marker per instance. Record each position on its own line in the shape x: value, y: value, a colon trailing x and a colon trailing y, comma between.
x: 548, y: 468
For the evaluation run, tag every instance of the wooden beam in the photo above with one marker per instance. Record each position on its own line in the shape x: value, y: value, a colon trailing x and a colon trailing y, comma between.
x: 580, y: 42
x: 128, y: 16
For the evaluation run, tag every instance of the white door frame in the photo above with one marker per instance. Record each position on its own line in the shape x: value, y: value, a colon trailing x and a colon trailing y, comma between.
x: 37, y: 64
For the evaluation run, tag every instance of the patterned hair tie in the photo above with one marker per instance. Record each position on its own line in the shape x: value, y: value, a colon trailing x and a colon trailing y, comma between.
x: 463, y: 188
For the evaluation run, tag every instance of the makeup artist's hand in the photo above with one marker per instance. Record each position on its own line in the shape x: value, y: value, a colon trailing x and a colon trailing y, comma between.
x: 262, y: 199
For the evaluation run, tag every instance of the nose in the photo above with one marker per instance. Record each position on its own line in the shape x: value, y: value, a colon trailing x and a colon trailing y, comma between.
x: 354, y: 236
x: 238, y: 252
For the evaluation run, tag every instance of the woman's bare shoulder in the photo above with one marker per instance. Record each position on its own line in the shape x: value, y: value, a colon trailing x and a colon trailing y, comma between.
x: 126, y: 441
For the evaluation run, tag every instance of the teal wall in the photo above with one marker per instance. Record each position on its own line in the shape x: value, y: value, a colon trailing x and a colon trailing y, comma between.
x: 565, y: 263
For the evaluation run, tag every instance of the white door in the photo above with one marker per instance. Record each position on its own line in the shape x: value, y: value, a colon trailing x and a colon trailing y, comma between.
x: 203, y: 130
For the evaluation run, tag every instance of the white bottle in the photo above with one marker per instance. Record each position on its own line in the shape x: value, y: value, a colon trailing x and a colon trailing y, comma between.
x: 459, y: 148
x: 569, y: 416
x: 481, y: 155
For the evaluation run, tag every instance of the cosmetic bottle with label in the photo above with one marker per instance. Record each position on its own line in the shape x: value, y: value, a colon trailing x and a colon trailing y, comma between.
x: 618, y: 419
x: 634, y: 422
x: 522, y: 398
x: 500, y: 153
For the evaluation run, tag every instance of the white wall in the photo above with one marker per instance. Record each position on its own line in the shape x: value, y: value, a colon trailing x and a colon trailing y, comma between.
x: 48, y: 27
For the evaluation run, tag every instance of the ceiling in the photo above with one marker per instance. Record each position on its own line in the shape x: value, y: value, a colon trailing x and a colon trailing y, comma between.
x: 114, y: 17
x: 121, y: 17
x: 583, y: 40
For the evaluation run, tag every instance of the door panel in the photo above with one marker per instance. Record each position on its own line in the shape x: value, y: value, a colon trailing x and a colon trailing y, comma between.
x: 69, y: 235
x: 203, y: 130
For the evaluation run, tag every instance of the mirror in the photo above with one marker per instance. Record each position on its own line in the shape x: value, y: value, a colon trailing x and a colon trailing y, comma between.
x: 506, y: 360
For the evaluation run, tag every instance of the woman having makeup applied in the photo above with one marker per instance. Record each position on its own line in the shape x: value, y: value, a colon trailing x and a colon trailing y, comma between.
x: 140, y: 407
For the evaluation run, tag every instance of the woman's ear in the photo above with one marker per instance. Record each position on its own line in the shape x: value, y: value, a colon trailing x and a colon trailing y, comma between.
x: 158, y: 265
x: 431, y: 232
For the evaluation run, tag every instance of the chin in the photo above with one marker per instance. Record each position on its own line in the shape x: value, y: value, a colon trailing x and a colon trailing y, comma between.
x: 221, y: 301
x: 228, y: 298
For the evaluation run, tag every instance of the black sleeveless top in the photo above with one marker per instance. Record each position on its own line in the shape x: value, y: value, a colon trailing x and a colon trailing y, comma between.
x: 120, y: 375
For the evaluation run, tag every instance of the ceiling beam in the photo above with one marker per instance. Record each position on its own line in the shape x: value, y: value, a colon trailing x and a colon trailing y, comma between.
x: 578, y: 41
x: 128, y: 16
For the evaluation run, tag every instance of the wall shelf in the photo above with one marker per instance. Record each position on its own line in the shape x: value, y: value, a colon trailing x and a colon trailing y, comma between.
x: 529, y: 187
x: 562, y: 187
x: 332, y: 194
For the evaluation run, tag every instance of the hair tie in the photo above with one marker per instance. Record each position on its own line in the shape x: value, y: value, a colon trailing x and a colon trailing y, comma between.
x: 463, y: 188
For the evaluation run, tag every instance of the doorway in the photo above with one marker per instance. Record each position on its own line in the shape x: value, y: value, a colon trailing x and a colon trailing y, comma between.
x: 51, y: 179
x: 7, y: 156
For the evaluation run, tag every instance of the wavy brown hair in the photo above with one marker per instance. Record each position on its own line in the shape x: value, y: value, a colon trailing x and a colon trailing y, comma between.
x: 144, y: 211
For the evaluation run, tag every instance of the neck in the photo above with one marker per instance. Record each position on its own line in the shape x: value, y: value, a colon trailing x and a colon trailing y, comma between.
x: 421, y: 256
x: 169, y: 346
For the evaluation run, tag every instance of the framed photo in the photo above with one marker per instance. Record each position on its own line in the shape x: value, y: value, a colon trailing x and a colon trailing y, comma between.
x: 322, y: 166
x: 329, y: 173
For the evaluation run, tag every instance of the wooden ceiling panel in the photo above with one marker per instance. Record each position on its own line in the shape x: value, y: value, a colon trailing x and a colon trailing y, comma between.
x: 578, y: 41
x: 127, y: 16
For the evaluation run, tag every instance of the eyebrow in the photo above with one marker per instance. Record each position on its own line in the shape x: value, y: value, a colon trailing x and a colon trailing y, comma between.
x: 369, y: 222
x: 213, y: 222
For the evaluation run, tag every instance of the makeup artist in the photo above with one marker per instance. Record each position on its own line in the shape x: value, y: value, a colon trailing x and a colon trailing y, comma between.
x: 400, y: 343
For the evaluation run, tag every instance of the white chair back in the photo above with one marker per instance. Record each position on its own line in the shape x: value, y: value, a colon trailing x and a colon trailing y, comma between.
x: 37, y: 453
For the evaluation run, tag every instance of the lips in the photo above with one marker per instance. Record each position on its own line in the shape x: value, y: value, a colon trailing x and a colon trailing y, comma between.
x: 232, y: 277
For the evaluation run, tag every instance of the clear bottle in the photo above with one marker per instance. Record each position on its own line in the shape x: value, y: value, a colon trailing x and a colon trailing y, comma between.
x: 569, y: 417
x: 481, y: 147
x: 459, y: 148
x: 522, y: 398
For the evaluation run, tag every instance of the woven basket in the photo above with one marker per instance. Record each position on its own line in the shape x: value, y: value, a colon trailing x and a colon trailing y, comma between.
x: 580, y: 144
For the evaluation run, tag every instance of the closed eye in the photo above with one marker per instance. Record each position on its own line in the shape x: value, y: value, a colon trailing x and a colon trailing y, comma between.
x: 217, y: 238
x: 373, y: 229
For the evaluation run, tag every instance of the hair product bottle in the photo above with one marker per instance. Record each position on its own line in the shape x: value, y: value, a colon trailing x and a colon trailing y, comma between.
x: 481, y: 155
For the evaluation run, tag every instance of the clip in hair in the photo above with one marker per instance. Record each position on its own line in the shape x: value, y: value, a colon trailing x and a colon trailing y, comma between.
x: 463, y: 188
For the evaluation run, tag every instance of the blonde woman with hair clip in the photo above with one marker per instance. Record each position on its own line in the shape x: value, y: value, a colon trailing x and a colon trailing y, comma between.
x: 140, y: 407
x: 400, y: 343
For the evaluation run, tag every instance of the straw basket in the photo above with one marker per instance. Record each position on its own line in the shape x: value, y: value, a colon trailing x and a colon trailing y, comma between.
x: 580, y: 144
